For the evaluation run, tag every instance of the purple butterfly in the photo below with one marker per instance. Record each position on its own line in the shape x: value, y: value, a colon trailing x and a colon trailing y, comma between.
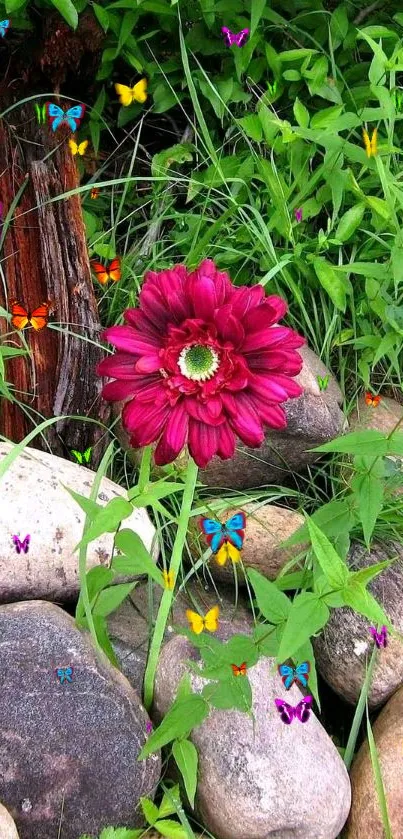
x: 149, y: 727
x: 288, y: 712
x: 298, y: 214
x: 237, y: 38
x: 380, y: 638
x: 22, y: 546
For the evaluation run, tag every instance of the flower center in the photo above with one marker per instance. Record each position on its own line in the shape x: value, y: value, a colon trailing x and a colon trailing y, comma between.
x: 198, y: 362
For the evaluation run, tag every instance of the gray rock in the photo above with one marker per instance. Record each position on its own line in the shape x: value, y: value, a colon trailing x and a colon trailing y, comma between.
x: 8, y: 829
x: 34, y: 500
x: 69, y: 747
x: 312, y: 419
x: 342, y: 649
x: 271, y: 780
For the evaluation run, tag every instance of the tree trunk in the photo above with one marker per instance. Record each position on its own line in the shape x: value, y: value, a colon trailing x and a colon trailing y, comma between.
x: 45, y: 258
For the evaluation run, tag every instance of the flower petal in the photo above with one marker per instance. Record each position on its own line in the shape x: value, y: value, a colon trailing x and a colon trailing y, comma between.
x: 127, y: 339
x: 246, y: 423
x: 174, y: 437
x: 203, y: 442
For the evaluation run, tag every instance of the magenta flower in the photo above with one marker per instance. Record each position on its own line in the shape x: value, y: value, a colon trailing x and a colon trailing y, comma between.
x: 298, y: 214
x: 201, y: 362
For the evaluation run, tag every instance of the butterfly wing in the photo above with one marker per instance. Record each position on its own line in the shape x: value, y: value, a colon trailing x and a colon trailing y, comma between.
x: 39, y: 316
x: 77, y: 455
x: 74, y: 116
x: 367, y: 142
x: 302, y: 673
x: 125, y: 94
x: 234, y: 529
x: 19, y: 315
x: 55, y: 115
x: 374, y: 142
x: 73, y: 146
x: 303, y: 709
x: 139, y: 91
x: 287, y: 674
x: 4, y: 25
x: 211, y: 619
x: 69, y: 673
x: 241, y: 37
x: 227, y: 35
x: 214, y: 532
x: 168, y: 579
x: 17, y: 544
x: 239, y: 670
x: 25, y: 544
x: 83, y: 147
x: 114, y: 270
x: 94, y: 192
x: 100, y: 271
x: 87, y: 454
x: 285, y: 710
x: 196, y: 621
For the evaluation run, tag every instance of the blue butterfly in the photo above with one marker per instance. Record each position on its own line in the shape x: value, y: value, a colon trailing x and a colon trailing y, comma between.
x: 4, y: 25
x: 232, y: 531
x: 57, y: 116
x: 294, y: 674
x: 64, y: 674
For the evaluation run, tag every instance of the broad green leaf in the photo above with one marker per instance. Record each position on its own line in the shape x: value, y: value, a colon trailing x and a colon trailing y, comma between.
x: 153, y: 492
x: 267, y: 638
x: 331, y: 518
x: 257, y: 9
x: 110, y: 598
x: 169, y: 799
x: 186, y: 757
x: 308, y: 615
x: 395, y: 444
x: 365, y: 575
x: 97, y: 579
x: 379, y: 205
x: 338, y: 25
x: 334, y: 569
x: 136, y: 559
x: 301, y: 113
x: 334, y: 284
x: 101, y: 15
x: 368, y: 441
x: 107, y: 520
x: 13, y: 5
x: 252, y: 126
x: 183, y: 716
x: 361, y: 600
x: 234, y: 693
x: 349, y: 222
x: 326, y: 118
x: 171, y: 829
x: 369, y: 492
x: 67, y: 10
x: 91, y: 508
x: 150, y: 810
x: 273, y: 604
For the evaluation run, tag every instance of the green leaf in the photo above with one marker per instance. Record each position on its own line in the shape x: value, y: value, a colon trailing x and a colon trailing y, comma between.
x: 150, y: 810
x: 252, y: 126
x: 110, y: 598
x: 257, y: 9
x: 183, y: 716
x: 349, y: 222
x: 168, y: 806
x: 334, y: 569
x: 334, y: 284
x: 129, y: 19
x: 136, y: 559
x: 101, y: 15
x: 170, y: 828
x: 301, y: 113
x: 234, y: 693
x: 186, y: 757
x: 380, y: 789
x: 332, y: 518
x: 107, y: 520
x: 97, y: 579
x: 308, y: 615
x: 91, y: 508
x: 67, y: 10
x: 368, y: 441
x: 338, y: 26
x: 395, y: 444
x: 13, y: 5
x: 369, y: 492
x: 365, y: 575
x: 361, y: 600
x: 273, y: 604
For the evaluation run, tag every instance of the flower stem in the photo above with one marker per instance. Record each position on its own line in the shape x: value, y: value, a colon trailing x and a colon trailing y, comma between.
x: 167, y: 597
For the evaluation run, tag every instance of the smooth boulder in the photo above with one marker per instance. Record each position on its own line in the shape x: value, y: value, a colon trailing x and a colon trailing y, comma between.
x: 343, y: 647
x: 8, y: 829
x: 271, y: 780
x: 67, y: 746
x: 34, y: 501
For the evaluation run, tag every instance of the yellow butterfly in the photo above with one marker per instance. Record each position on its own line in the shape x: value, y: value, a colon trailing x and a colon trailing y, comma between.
x: 227, y: 551
x: 198, y: 623
x: 127, y: 95
x: 371, y: 146
x: 169, y: 579
x: 76, y: 148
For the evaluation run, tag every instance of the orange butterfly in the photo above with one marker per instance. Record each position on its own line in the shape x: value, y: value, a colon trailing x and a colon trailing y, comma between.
x: 105, y: 273
x: 372, y: 400
x: 239, y: 671
x: 38, y: 318
x: 94, y: 192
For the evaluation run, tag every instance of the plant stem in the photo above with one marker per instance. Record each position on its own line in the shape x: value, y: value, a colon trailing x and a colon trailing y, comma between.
x: 167, y: 597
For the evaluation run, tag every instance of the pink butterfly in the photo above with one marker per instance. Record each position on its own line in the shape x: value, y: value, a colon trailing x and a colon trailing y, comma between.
x: 22, y: 546
x: 380, y: 638
x: 288, y: 712
x: 237, y: 38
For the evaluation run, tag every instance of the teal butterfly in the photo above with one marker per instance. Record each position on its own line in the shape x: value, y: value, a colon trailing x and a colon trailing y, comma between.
x: 323, y: 383
x: 82, y: 457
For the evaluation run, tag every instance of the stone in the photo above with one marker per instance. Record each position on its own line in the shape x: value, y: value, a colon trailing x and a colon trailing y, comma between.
x: 365, y: 817
x: 342, y: 648
x: 8, y: 829
x: 34, y: 500
x: 267, y: 526
x: 313, y: 418
x: 128, y: 625
x: 69, y: 747
x: 385, y: 418
x: 269, y: 780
